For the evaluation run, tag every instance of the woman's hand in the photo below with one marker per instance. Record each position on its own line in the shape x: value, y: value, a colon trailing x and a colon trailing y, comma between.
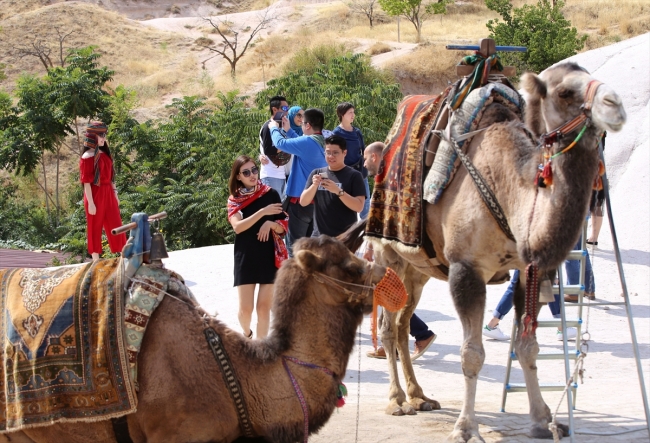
x: 265, y: 231
x: 92, y: 209
x: 272, y: 209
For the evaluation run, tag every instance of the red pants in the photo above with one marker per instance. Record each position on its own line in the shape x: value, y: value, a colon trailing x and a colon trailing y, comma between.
x: 107, y: 216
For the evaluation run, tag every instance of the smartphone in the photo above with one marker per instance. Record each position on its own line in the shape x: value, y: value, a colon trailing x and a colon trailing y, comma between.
x: 278, y: 117
x: 323, y: 174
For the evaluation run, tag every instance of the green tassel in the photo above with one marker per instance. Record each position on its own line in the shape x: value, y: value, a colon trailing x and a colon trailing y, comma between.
x: 343, y: 391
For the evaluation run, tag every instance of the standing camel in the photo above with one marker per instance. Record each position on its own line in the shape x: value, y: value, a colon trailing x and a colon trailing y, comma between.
x: 545, y: 223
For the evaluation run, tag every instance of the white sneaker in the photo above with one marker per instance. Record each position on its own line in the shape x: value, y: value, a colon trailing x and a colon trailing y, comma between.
x: 571, y: 334
x: 495, y: 333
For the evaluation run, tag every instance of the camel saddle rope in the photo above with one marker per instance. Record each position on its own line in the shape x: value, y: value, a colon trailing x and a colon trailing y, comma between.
x: 229, y: 377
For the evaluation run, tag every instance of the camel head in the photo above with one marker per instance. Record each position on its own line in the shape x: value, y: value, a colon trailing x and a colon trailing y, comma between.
x: 332, y: 265
x: 558, y: 94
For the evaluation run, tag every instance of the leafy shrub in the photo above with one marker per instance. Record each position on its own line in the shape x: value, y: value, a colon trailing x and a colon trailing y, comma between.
x: 542, y: 28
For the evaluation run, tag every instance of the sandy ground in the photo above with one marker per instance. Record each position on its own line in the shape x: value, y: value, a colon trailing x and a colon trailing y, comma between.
x: 609, y: 403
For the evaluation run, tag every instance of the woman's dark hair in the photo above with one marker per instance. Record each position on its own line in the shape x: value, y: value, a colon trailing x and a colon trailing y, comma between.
x: 342, y: 108
x: 233, y: 183
x: 93, y: 137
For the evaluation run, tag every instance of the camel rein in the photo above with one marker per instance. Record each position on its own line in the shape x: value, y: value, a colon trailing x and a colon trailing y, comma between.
x: 352, y: 296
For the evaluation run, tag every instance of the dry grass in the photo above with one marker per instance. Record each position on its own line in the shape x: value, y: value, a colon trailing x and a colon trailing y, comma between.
x: 378, y: 48
x: 141, y: 57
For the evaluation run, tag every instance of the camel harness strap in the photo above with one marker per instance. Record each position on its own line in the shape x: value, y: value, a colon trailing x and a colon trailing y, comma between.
x: 230, y: 378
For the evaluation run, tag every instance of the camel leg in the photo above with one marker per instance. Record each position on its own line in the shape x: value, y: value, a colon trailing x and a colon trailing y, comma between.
x: 468, y: 292
x: 527, y: 350
x: 415, y: 281
x: 389, y: 339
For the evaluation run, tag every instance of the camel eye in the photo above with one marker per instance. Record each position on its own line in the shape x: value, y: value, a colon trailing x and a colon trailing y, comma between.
x: 564, y: 93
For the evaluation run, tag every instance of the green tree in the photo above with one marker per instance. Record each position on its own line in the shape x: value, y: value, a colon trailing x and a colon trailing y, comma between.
x: 324, y: 85
x: 542, y: 28
x: 415, y: 11
x: 46, y: 110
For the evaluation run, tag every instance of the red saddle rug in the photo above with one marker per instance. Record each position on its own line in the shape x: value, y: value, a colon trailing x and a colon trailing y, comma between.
x: 396, y: 206
x: 63, y: 353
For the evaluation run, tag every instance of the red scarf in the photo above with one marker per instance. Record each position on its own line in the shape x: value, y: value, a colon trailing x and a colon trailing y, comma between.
x: 244, y: 198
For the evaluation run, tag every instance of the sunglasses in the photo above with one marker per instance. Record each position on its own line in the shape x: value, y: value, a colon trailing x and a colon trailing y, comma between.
x: 284, y: 108
x: 247, y: 172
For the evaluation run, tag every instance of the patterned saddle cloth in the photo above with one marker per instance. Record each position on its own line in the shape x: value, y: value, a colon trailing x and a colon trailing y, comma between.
x: 65, y: 353
x: 462, y: 121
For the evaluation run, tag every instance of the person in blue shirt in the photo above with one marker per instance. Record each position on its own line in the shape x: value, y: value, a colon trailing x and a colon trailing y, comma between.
x: 355, y: 145
x: 308, y: 153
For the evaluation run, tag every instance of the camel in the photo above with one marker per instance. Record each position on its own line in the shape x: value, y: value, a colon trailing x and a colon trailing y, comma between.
x: 320, y: 298
x: 545, y: 223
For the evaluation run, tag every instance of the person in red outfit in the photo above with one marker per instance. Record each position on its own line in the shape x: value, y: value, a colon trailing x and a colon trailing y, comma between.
x: 100, y: 193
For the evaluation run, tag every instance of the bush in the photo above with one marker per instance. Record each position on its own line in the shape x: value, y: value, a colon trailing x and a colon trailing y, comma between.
x: 543, y: 29
x: 379, y: 48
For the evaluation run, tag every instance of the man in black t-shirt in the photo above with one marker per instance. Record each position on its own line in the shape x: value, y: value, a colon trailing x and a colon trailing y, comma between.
x: 338, y: 191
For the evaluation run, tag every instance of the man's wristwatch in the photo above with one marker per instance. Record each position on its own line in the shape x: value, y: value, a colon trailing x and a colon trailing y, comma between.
x: 341, y: 192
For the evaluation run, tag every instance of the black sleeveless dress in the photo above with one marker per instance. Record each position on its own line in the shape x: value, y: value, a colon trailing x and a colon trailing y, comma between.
x: 254, y: 259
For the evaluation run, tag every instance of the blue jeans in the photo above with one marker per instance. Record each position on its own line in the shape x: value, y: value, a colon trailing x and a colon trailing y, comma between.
x: 279, y: 184
x: 573, y: 278
x: 366, y: 204
x: 419, y: 329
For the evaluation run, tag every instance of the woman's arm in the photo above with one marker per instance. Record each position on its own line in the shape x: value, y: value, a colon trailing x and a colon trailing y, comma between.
x: 92, y: 209
x: 240, y: 224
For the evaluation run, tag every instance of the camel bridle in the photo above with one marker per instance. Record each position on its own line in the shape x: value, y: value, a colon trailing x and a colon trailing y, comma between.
x: 353, y: 297
x: 583, y: 119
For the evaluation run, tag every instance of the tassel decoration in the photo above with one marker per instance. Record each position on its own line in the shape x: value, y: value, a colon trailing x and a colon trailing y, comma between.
x: 547, y: 174
x: 343, y: 392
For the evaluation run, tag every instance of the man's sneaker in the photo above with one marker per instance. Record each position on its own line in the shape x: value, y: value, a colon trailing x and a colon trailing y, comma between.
x: 495, y: 333
x: 421, y: 347
x: 571, y: 334
x: 379, y: 353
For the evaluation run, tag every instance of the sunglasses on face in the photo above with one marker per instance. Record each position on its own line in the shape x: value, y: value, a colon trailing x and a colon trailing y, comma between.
x: 284, y: 108
x: 247, y: 172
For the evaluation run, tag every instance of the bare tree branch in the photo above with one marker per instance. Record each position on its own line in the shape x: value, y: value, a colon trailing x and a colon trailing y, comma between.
x: 38, y: 49
x: 229, y: 48
x: 365, y: 7
x: 62, y: 38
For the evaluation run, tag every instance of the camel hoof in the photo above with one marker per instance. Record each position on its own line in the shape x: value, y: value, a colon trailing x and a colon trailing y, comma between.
x: 425, y: 404
x: 460, y: 436
x: 545, y: 433
x: 395, y: 410
x: 408, y: 409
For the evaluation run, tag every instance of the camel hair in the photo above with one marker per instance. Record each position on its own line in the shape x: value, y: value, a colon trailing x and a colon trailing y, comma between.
x: 182, y: 395
x: 546, y: 223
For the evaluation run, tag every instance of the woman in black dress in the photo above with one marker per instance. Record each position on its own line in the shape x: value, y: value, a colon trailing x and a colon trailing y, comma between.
x: 255, y: 213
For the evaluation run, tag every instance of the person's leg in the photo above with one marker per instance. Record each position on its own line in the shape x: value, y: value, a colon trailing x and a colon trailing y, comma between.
x: 263, y: 309
x: 300, y: 219
x: 366, y: 204
x: 94, y: 231
x: 505, y: 304
x: 596, y: 224
x: 419, y: 329
x: 246, y: 302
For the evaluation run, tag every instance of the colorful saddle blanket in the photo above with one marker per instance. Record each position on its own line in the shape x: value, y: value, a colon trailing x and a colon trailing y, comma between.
x: 396, y: 206
x: 63, y: 355
x: 465, y: 119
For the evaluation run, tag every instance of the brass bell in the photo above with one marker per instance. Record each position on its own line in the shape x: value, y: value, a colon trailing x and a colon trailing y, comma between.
x: 158, y: 251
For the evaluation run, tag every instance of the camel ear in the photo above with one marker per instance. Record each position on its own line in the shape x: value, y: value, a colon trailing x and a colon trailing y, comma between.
x: 307, y: 260
x: 533, y: 85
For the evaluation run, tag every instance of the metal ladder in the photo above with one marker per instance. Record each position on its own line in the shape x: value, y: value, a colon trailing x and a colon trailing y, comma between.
x: 563, y: 323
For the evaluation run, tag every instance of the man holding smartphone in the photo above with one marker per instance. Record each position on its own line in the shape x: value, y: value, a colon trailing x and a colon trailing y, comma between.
x: 337, y: 190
